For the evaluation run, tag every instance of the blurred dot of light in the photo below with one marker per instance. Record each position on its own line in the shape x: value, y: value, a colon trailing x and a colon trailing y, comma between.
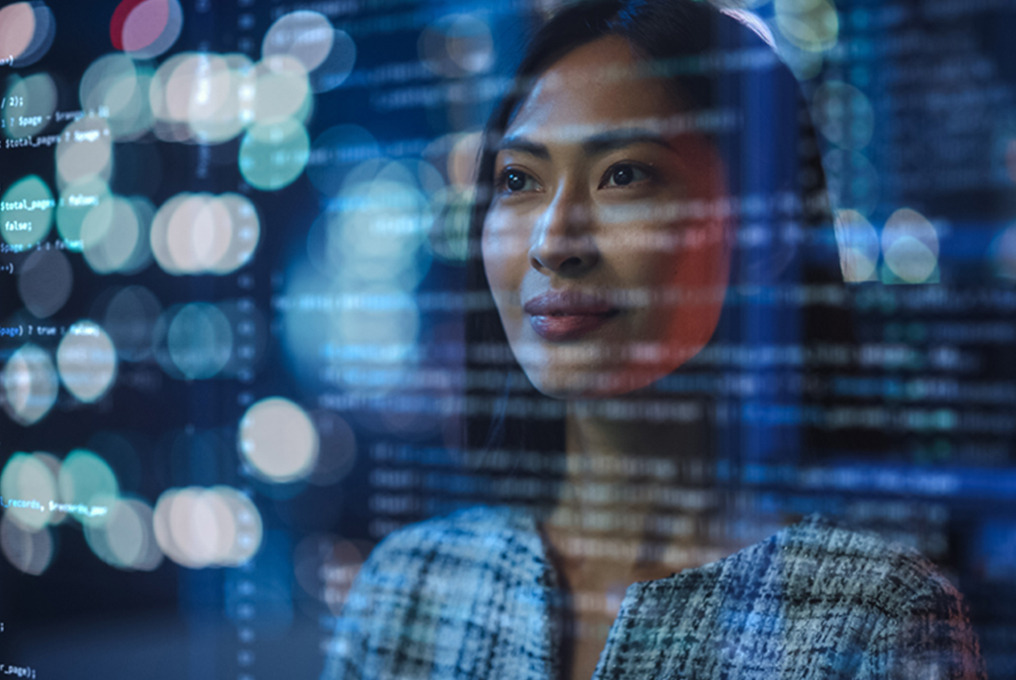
x: 337, y: 449
x: 86, y: 479
x: 198, y: 233
x: 166, y: 128
x: 86, y: 360
x: 52, y: 463
x: 844, y: 114
x: 389, y: 332
x: 457, y: 45
x: 380, y: 223
x: 197, y: 87
x: 858, y: 244
x: 129, y: 318
x: 1002, y: 253
x: 127, y: 539
x: 199, y: 528
x: 146, y: 28
x: 45, y: 281
x: 225, y: 117
x: 27, y: 30
x: 201, y: 233
x: 852, y: 180
x: 26, y: 212
x: 449, y: 237
x: 17, y: 28
x: 30, y: 384
x: 28, y: 551
x: 244, y: 232
x: 307, y: 36
x: 111, y: 236
x: 199, y: 340
x: 910, y: 246
x: 278, y: 439
x: 337, y: 66
x: 329, y: 559
x: 85, y: 150
x: 463, y: 160
x: 335, y: 152
x: 281, y: 90
x: 39, y: 94
x: 76, y: 201
x: 811, y: 25
x: 42, y: 36
x: 273, y: 156
x: 119, y: 85
x: 159, y: 234
x: 27, y: 478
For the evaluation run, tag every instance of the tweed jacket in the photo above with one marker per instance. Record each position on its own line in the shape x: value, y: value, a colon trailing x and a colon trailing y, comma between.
x: 471, y: 596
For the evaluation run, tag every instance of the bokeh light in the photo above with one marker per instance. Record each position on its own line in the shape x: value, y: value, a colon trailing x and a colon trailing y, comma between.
x: 335, y: 152
x: 457, y: 45
x: 852, y: 180
x: 114, y: 236
x: 810, y: 25
x: 326, y: 54
x: 27, y: 485
x: 910, y: 246
x: 76, y: 201
x: 17, y: 27
x: 126, y: 540
x: 202, y: 233
x: 27, y: 30
x: 198, y: 341
x: 379, y: 222
x: 203, y: 97
x: 85, y: 151
x: 1002, y: 253
x: 129, y: 318
x: 45, y: 281
x: 117, y: 85
x: 844, y: 114
x: 38, y: 91
x: 86, y: 360
x: 28, y: 551
x: 306, y: 36
x: 858, y: 245
x: 30, y: 384
x: 146, y: 28
x: 26, y: 212
x: 282, y: 90
x: 337, y: 448
x: 337, y: 66
x: 89, y: 484
x: 278, y: 439
x: 272, y: 156
x: 198, y: 527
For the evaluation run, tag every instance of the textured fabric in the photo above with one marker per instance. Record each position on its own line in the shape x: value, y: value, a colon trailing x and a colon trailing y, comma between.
x: 472, y: 596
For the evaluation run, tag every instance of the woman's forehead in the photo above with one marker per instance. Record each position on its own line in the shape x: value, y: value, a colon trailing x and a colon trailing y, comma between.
x: 595, y: 87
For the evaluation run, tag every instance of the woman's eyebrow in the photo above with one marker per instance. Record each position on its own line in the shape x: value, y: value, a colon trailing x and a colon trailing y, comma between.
x: 524, y: 145
x: 616, y: 139
x: 598, y: 143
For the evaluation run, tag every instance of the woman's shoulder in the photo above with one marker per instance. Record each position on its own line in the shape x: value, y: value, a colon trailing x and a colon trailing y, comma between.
x: 472, y: 533
x: 823, y: 556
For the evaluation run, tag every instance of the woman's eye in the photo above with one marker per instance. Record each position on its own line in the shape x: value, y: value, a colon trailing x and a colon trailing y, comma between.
x: 513, y: 181
x: 623, y: 174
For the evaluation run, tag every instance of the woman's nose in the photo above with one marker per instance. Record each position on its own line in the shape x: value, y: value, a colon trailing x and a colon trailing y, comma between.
x: 563, y: 241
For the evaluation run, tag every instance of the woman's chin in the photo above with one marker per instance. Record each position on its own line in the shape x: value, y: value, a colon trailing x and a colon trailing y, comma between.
x: 571, y: 382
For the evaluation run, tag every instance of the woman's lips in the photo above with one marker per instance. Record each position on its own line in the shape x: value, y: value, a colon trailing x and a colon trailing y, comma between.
x: 562, y: 316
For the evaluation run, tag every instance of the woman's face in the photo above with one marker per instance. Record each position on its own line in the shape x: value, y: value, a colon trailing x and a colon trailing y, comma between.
x: 603, y: 247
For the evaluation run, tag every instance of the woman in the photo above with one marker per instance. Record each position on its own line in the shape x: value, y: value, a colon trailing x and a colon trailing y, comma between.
x: 607, y: 242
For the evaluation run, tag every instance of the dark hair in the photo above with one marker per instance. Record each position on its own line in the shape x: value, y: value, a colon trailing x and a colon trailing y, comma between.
x: 719, y: 68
